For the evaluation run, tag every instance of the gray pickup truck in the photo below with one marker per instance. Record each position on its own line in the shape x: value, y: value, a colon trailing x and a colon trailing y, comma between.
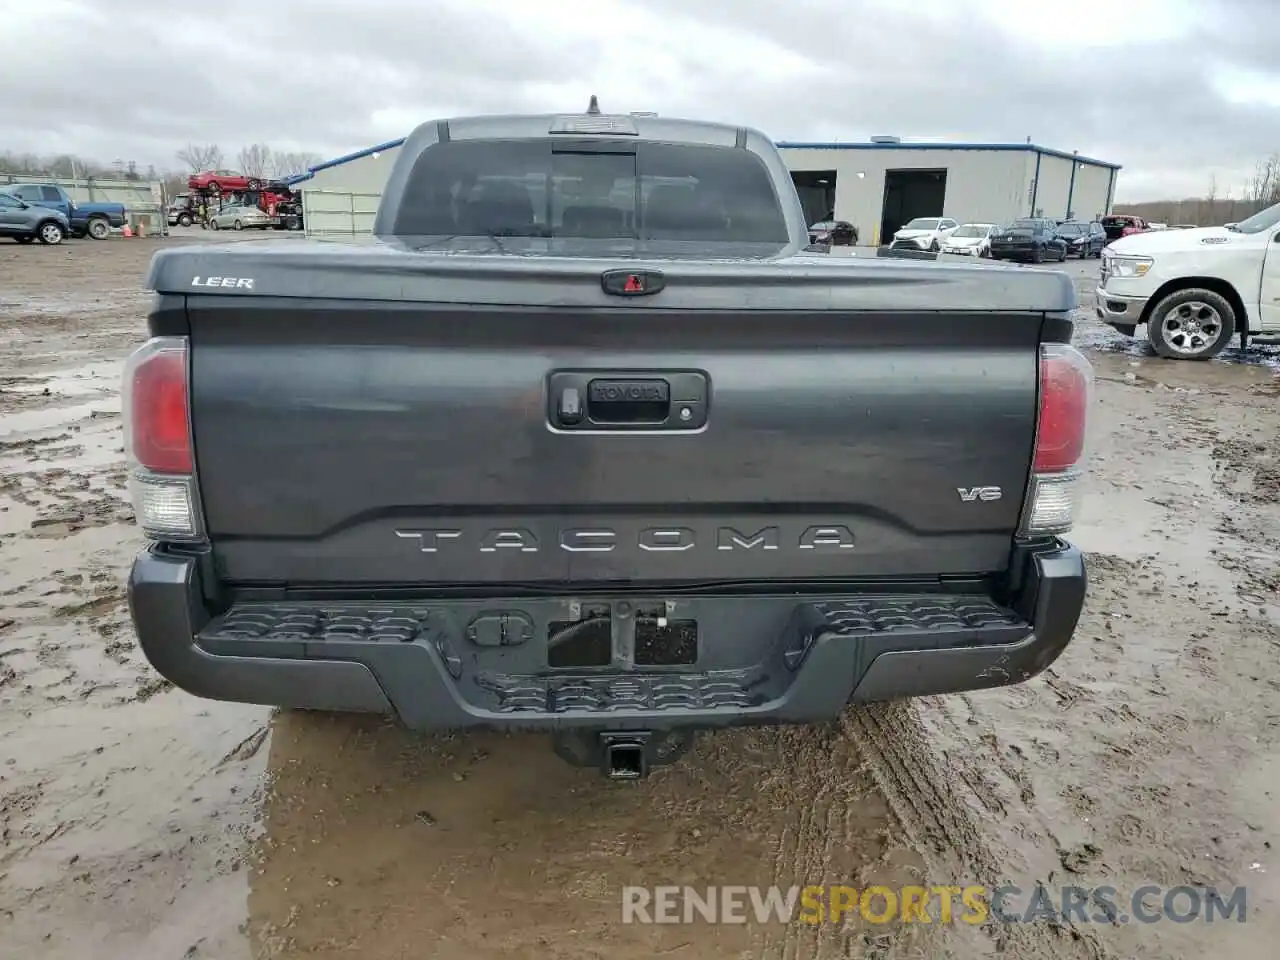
x: 588, y: 442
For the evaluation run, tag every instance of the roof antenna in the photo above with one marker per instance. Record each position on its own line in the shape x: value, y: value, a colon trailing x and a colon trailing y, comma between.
x: 593, y: 108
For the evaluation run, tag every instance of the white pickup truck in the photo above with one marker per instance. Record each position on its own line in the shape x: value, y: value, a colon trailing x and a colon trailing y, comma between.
x: 1194, y: 289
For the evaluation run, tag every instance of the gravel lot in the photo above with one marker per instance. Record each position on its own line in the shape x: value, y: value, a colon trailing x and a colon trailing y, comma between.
x: 139, y: 822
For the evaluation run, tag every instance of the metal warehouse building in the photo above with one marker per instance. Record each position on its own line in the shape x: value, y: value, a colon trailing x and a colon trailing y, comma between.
x: 878, y: 186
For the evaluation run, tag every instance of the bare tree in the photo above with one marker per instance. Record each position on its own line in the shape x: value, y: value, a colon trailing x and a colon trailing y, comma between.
x: 200, y: 157
x: 292, y: 164
x: 1207, y: 209
x: 1264, y: 188
x: 256, y: 161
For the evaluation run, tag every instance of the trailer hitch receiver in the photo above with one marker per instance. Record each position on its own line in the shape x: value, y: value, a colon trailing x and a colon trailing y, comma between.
x: 623, y: 754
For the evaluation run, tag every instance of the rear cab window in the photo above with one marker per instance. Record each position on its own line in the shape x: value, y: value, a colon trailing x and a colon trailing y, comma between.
x: 637, y: 194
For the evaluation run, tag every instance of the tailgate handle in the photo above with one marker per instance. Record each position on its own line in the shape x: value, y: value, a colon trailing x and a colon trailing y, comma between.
x: 616, y: 400
x: 629, y: 401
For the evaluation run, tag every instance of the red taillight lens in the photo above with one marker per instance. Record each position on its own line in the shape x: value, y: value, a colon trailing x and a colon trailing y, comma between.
x: 1065, y: 379
x: 158, y: 424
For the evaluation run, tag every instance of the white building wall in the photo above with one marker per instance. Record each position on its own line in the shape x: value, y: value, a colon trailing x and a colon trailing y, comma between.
x: 342, y: 201
x: 1054, y: 188
x: 1057, y: 195
x: 364, y: 175
x: 982, y: 185
x: 1092, y: 186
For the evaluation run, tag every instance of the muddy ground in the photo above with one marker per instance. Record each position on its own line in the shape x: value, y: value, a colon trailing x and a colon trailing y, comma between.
x: 139, y: 822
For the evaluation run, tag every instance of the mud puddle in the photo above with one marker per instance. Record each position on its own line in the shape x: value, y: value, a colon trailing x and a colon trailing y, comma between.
x: 127, y: 830
x: 89, y: 380
x: 1106, y: 340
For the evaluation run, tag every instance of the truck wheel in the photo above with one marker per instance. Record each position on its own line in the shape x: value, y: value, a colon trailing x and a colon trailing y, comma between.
x: 184, y: 219
x: 50, y: 233
x: 99, y: 229
x: 1192, y: 324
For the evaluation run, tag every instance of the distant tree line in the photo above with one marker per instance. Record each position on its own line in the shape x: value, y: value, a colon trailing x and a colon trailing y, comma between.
x: 254, y: 160
x: 1214, y: 209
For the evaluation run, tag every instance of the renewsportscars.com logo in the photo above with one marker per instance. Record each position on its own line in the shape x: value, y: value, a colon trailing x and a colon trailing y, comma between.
x: 974, y: 904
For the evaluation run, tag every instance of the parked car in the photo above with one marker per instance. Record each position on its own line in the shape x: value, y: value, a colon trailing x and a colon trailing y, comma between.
x: 222, y: 181
x: 926, y: 233
x: 240, y: 216
x: 26, y: 222
x: 970, y: 240
x: 834, y: 233
x: 1030, y: 239
x: 381, y: 563
x: 1083, y: 239
x: 1195, y: 289
x: 94, y: 220
x: 1119, y: 225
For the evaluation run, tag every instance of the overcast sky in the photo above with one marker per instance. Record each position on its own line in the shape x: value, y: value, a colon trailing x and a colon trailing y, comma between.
x: 1175, y: 91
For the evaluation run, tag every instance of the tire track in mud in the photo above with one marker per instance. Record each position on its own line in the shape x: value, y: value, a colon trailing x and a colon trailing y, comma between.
x: 920, y: 785
x: 1144, y: 789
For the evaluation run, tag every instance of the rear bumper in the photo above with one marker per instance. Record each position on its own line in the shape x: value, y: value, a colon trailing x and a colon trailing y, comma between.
x: 781, y: 659
x: 1013, y: 251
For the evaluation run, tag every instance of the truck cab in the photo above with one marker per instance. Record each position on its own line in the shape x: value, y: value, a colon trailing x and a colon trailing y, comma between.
x: 1195, y: 289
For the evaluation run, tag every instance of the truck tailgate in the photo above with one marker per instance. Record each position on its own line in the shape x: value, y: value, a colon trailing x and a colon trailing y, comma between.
x: 419, y: 443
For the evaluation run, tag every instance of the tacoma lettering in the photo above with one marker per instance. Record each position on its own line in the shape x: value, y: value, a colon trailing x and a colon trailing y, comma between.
x: 518, y: 539
x: 667, y: 539
x: 827, y: 538
x: 822, y: 538
x: 728, y: 538
x: 429, y: 540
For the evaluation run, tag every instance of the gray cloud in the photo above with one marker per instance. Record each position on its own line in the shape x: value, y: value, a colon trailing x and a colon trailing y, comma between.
x: 1145, y: 86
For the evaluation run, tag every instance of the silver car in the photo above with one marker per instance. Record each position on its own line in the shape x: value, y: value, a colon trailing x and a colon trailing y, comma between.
x: 27, y: 221
x: 239, y: 216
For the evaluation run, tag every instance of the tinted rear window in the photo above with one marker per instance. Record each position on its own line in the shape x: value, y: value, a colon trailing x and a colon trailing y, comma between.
x: 541, y: 188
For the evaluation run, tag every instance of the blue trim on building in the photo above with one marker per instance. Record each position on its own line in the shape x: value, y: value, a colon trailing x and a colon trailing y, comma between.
x: 1071, y: 189
x: 1024, y: 147
x: 1035, y: 186
x: 358, y: 155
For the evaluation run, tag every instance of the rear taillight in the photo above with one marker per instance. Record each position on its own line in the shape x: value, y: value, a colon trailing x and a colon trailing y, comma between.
x: 1066, y: 391
x: 157, y: 439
